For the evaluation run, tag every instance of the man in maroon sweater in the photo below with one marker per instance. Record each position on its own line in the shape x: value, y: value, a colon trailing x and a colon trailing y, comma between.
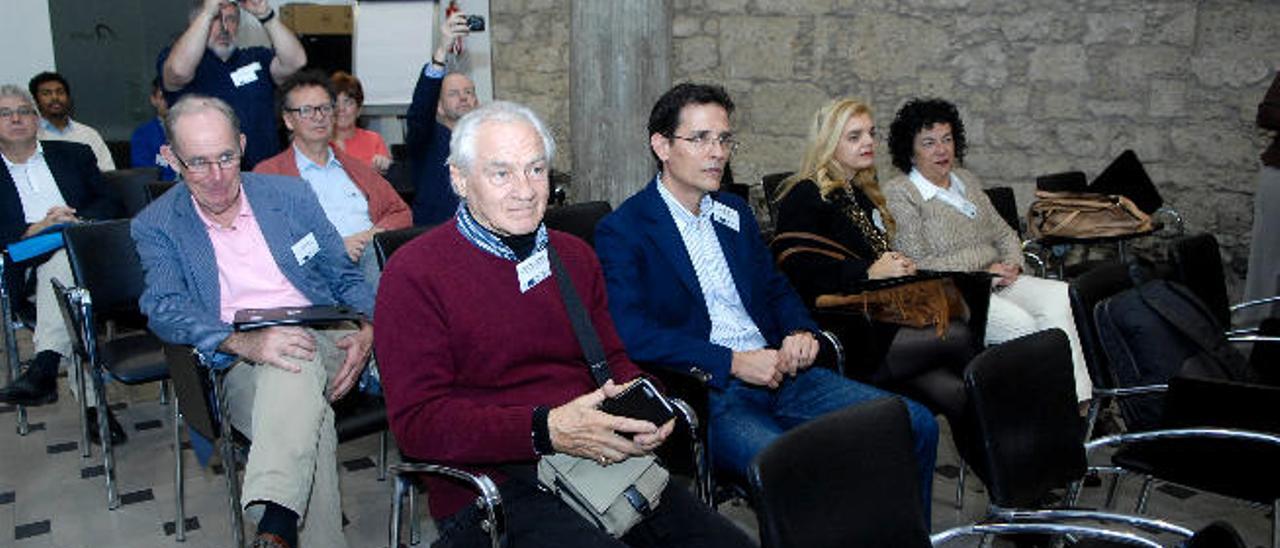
x: 480, y: 364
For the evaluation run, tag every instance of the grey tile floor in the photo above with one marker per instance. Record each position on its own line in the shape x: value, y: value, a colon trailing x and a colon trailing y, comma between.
x: 51, y: 497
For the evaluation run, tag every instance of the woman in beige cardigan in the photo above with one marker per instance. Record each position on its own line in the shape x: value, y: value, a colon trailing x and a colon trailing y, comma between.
x: 946, y: 222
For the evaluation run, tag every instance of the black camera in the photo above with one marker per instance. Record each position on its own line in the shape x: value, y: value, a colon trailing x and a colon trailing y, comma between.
x: 475, y: 23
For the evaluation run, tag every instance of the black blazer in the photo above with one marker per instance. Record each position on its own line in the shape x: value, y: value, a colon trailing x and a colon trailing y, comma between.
x: 75, y: 170
x: 812, y: 274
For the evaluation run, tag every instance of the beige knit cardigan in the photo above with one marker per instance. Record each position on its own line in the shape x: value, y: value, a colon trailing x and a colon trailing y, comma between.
x: 938, y: 237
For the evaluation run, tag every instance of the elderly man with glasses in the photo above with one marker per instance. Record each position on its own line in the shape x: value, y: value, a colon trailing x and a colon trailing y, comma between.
x: 356, y: 199
x: 223, y: 241
x: 44, y: 184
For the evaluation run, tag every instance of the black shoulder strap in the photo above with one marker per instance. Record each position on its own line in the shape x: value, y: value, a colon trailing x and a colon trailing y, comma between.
x: 582, y: 327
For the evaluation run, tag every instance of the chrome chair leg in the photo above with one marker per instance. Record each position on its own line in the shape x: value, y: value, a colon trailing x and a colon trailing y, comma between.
x: 229, y: 460
x: 180, y: 510
x: 397, y: 501
x: 382, y: 456
x: 164, y: 392
x: 1141, y: 507
x: 1111, y: 492
x: 415, y: 530
x: 78, y: 369
x: 960, y: 486
x: 11, y: 349
x: 104, y: 434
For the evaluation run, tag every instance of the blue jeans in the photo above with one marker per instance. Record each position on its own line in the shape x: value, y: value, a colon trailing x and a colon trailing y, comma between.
x: 746, y: 418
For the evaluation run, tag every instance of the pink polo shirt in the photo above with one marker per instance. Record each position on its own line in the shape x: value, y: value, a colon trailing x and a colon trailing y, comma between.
x: 248, y: 275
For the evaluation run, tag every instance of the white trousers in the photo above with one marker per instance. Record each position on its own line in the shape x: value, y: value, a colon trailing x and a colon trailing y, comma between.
x: 1264, y: 250
x: 1034, y: 304
x: 51, y: 330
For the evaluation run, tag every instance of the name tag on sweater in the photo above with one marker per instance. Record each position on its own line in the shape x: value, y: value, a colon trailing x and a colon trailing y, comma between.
x: 533, y: 270
x: 724, y: 215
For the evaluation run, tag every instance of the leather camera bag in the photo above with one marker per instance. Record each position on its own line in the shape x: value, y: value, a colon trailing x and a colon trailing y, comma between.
x: 1084, y: 215
x: 617, y: 496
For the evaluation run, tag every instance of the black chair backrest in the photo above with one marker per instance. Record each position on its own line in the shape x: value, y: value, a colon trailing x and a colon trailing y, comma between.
x: 121, y: 152
x: 770, y: 184
x: 1265, y: 357
x: 1006, y: 204
x: 1022, y: 395
x: 845, y: 479
x: 105, y: 262
x: 1086, y: 291
x: 1126, y: 177
x: 386, y: 243
x: 1067, y: 181
x: 579, y: 219
x: 130, y: 186
x: 191, y: 385
x: 156, y: 189
x: 1197, y: 263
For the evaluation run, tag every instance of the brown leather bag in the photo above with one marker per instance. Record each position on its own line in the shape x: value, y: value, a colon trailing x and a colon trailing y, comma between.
x: 915, y: 303
x: 1084, y: 215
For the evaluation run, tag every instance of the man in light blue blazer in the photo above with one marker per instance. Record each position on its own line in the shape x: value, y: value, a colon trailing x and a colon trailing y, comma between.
x: 692, y: 287
x: 224, y: 241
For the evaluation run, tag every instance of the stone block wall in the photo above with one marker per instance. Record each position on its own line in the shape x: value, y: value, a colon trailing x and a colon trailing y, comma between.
x: 1043, y: 85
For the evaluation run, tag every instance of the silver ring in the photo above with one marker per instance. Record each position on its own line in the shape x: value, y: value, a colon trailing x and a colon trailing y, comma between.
x: 604, y: 461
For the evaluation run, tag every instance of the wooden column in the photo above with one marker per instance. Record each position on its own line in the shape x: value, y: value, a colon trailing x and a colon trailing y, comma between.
x: 619, y: 65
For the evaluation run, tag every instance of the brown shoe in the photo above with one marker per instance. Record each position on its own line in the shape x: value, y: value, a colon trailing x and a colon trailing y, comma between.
x: 268, y: 540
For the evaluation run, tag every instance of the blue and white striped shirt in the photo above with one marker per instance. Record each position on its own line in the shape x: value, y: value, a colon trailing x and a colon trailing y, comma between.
x: 731, y: 326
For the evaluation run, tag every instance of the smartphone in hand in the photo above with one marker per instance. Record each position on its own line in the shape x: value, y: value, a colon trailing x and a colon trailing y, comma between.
x: 640, y: 401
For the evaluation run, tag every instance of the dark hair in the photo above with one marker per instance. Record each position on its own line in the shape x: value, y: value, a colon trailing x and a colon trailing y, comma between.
x: 303, y: 79
x: 344, y: 82
x: 666, y: 112
x: 44, y: 77
x: 916, y: 116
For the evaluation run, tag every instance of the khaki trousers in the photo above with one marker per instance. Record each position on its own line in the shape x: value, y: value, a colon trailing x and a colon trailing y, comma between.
x: 292, y: 461
x: 51, y: 330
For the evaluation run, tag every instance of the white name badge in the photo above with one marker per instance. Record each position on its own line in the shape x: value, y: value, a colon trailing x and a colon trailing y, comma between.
x: 533, y: 270
x: 247, y: 74
x: 306, y: 248
x: 724, y: 215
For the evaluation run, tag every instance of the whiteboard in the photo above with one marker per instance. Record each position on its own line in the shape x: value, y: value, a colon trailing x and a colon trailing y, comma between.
x: 393, y: 40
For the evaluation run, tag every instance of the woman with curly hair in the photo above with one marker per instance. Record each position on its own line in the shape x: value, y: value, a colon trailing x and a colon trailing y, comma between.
x: 946, y: 222
x: 835, y: 196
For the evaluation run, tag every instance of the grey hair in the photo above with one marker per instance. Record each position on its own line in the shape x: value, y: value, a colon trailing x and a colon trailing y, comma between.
x: 462, y: 146
x: 11, y: 90
x: 192, y: 103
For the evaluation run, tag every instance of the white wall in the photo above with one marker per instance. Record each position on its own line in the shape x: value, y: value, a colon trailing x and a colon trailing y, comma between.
x: 26, y: 39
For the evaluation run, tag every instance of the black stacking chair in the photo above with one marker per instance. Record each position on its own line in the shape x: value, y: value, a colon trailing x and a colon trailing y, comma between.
x: 849, y: 479
x: 1006, y: 204
x: 156, y: 189
x: 108, y: 282
x: 130, y: 186
x: 1197, y: 264
x: 17, y: 314
x: 403, y: 474
x: 770, y: 184
x: 1085, y: 292
x: 578, y: 219
x: 1024, y: 406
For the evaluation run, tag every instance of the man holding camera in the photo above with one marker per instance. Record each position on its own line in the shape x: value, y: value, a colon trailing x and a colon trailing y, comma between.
x: 439, y: 100
x: 205, y: 60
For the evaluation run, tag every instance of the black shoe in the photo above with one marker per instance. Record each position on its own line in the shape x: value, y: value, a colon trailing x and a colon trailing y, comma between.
x: 117, y: 432
x: 28, y: 389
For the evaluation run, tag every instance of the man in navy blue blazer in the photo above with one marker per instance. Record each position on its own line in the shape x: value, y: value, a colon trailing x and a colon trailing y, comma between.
x: 223, y: 241
x: 693, y: 287
x: 43, y: 184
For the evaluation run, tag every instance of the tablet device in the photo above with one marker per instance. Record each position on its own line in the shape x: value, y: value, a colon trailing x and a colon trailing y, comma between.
x: 257, y: 318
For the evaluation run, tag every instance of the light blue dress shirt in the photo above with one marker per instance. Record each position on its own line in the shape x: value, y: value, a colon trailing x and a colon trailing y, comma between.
x: 343, y: 202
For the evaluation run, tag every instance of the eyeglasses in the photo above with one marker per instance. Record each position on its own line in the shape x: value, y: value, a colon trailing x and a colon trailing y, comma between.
x: 307, y: 111
x: 201, y: 166
x: 20, y: 111
x: 703, y: 140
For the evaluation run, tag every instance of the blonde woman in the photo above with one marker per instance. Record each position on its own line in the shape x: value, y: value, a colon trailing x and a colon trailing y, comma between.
x: 835, y: 196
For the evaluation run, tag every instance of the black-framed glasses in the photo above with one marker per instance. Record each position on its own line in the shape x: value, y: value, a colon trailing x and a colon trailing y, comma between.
x: 201, y: 166
x: 20, y: 111
x: 702, y: 140
x: 307, y: 111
